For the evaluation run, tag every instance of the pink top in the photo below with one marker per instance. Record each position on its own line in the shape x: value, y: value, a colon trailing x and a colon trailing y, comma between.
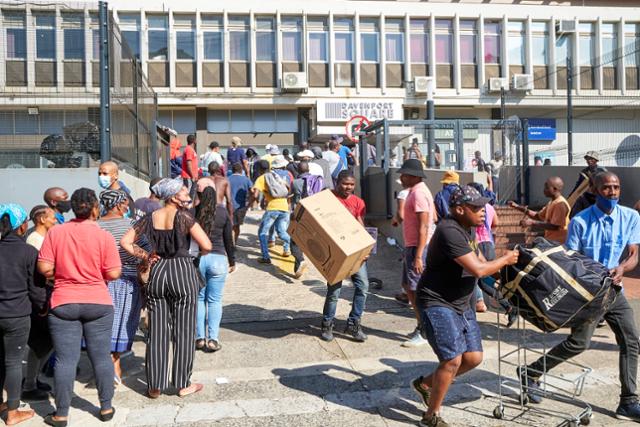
x: 82, y: 253
x: 419, y: 200
x: 482, y: 234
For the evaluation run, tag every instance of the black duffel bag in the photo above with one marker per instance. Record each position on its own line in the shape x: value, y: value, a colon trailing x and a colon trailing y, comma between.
x: 555, y: 287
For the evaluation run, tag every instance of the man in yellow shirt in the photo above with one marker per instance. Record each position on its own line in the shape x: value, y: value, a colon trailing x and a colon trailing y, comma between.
x: 554, y: 217
x: 272, y: 152
x: 277, y: 212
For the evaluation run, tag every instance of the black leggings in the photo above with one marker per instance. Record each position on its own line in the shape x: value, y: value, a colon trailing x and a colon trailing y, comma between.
x: 14, y: 333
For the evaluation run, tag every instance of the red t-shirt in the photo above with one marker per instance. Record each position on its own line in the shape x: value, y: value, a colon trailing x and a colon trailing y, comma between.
x: 189, y: 154
x: 82, y: 253
x: 354, y: 204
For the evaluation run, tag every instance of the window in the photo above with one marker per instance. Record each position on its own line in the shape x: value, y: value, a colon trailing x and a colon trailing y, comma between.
x: 587, y: 44
x: 419, y: 40
x: 265, y: 40
x: 246, y: 121
x: 468, y: 46
x: 609, y: 44
x: 292, y: 39
x: 563, y: 49
x: 212, y: 37
x: 184, y: 27
x: 539, y: 43
x: 318, y: 39
x: 492, y: 42
x: 632, y: 44
x: 182, y: 121
x: 157, y: 34
x: 516, y: 42
x: 238, y: 38
x: 369, y: 35
x: 130, y: 28
x: 73, y: 32
x: 95, y: 37
x: 45, y: 35
x: 16, y: 35
x: 343, y: 39
x: 394, y: 40
x: 444, y: 41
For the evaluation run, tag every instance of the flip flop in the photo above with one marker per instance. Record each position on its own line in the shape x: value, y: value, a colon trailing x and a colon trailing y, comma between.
x: 192, y: 389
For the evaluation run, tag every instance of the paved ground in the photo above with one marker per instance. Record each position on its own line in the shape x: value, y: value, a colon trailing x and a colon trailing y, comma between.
x: 274, y: 371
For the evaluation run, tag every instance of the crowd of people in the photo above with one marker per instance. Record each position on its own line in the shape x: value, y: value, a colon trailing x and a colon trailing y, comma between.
x: 86, y: 283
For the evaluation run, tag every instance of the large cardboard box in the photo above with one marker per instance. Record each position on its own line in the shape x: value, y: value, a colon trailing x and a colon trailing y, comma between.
x: 331, y: 238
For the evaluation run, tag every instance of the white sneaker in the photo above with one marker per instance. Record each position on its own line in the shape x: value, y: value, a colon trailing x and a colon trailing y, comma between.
x: 415, y: 340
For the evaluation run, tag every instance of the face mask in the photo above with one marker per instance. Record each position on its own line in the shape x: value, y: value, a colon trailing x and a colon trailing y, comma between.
x: 607, y: 205
x: 104, y: 181
x: 63, y: 206
x: 127, y: 214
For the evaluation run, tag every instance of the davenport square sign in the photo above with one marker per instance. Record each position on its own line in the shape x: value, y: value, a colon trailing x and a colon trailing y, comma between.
x: 341, y: 110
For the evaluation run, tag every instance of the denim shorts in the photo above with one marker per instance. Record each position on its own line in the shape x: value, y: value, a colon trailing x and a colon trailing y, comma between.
x: 410, y: 278
x: 450, y: 334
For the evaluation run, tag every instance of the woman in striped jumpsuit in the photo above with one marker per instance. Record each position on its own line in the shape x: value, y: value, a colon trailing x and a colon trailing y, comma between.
x: 174, y: 283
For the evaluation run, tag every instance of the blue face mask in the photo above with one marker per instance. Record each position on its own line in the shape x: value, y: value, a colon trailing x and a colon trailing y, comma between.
x: 127, y: 214
x: 104, y: 181
x: 606, y: 205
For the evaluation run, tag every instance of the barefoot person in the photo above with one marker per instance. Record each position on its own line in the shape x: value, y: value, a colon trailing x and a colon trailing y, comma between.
x: 443, y: 299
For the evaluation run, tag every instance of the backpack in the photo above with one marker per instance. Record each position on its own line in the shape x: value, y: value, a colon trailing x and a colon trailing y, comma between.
x: 277, y: 186
x: 312, y: 184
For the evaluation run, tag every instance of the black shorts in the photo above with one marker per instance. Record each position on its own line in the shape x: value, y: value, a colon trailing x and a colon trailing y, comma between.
x: 238, y: 216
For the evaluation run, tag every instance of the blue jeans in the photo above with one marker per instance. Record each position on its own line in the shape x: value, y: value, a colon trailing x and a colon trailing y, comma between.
x: 214, y: 269
x: 279, y: 219
x: 361, y: 283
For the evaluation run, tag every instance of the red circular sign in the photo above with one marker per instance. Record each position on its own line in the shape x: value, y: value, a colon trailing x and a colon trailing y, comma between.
x: 356, y: 124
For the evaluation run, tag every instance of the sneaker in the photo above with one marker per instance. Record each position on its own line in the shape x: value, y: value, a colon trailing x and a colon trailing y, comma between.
x: 415, y: 339
x: 327, y: 330
x: 355, y: 330
x: 432, y: 421
x: 416, y: 385
x: 264, y: 261
x: 512, y: 316
x: 628, y: 411
x: 286, y: 254
x: 271, y: 244
x: 530, y: 386
x: 301, y: 269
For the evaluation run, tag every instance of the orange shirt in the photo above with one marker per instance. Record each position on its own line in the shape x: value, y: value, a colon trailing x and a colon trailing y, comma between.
x: 556, y: 212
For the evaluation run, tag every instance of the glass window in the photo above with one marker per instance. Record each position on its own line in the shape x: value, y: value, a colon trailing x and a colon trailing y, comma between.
x: 184, y: 121
x: 563, y: 49
x: 286, y: 121
x: 51, y: 122
x: 132, y: 44
x: 45, y: 36
x: 292, y: 39
x: 6, y: 123
x: 344, y: 47
x: 95, y: 37
x: 539, y: 43
x: 185, y: 45
x: 239, y: 46
x: 212, y: 45
x: 419, y: 40
x: 632, y: 44
x: 25, y: 123
x: 516, y: 42
x: 468, y: 46
x: 158, y: 42
x: 264, y: 120
x: 587, y: 44
x: 394, y: 47
x: 492, y: 42
x: 241, y: 121
x: 318, y: 47
x: 444, y: 41
x: 609, y: 44
x: 218, y: 121
x: 16, y: 43
x: 265, y: 40
x: 73, y: 33
x: 369, y: 47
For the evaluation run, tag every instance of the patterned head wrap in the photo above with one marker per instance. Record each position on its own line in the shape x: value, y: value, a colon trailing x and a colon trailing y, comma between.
x: 109, y: 199
x: 17, y: 214
x: 167, y: 188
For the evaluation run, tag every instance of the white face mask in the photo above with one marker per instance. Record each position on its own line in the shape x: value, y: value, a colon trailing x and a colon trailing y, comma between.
x: 104, y: 181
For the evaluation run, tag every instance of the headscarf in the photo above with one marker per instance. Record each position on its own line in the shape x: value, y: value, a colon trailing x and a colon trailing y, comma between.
x: 167, y: 188
x: 17, y: 214
x: 110, y: 199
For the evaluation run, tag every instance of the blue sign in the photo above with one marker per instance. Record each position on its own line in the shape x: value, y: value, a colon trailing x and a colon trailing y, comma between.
x: 542, y: 129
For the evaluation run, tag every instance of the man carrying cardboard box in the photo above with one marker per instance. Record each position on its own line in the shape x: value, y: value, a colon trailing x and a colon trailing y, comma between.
x: 345, y: 184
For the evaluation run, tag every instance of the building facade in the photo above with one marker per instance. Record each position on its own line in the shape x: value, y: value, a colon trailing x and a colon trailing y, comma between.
x: 290, y: 71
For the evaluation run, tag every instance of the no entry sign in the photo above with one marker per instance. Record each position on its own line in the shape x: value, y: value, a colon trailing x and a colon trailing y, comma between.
x: 354, y: 125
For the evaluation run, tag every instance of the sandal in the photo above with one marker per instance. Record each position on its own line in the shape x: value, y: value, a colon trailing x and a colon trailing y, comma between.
x: 106, y: 417
x: 49, y: 420
x: 200, y: 343
x: 153, y: 393
x: 213, y: 346
x: 192, y: 389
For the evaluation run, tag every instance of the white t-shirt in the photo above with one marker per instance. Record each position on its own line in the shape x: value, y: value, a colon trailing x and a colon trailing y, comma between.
x: 315, y: 169
x: 35, y: 239
x: 210, y: 156
x: 402, y: 195
x: 333, y: 158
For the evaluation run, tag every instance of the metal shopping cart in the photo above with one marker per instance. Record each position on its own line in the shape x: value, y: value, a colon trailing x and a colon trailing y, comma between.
x: 557, y: 388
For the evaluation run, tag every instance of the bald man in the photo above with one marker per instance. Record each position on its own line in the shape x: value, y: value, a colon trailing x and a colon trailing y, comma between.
x: 108, y: 177
x: 58, y: 200
x: 554, y: 217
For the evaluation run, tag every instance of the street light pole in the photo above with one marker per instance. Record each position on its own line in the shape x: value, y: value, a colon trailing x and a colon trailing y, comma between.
x: 569, y: 110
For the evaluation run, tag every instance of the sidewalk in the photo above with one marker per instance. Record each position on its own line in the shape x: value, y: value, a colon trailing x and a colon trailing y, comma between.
x: 274, y: 371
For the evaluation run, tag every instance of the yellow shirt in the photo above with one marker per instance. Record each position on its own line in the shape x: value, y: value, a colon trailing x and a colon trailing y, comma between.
x: 268, y: 157
x: 556, y: 212
x: 273, y: 204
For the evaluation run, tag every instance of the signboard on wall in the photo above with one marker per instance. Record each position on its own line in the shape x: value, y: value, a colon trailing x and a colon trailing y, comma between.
x: 542, y: 129
x: 341, y: 110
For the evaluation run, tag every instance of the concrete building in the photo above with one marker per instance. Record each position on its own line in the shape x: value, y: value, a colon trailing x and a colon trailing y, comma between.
x: 289, y: 71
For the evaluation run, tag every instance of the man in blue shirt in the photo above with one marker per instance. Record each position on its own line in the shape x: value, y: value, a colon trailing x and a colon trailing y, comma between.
x: 236, y: 154
x: 240, y: 190
x: 602, y: 232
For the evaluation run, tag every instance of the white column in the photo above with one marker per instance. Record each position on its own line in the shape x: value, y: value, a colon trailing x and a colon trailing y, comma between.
x: 144, y: 44
x: 171, y: 54
x: 504, y: 66
x: 482, y: 80
x: 576, y: 58
x: 252, y: 51
x: 88, y: 49
x: 407, y: 48
x: 30, y: 36
x: 383, y: 56
x: 304, y: 39
x: 621, y: 66
x: 332, y: 54
x: 226, y: 49
x: 3, y: 61
x: 553, y: 61
x: 432, y: 48
x: 455, y: 55
x: 278, y: 53
x: 59, y: 49
x: 199, y: 41
x: 528, y: 38
x: 357, y: 50
x: 599, y: 64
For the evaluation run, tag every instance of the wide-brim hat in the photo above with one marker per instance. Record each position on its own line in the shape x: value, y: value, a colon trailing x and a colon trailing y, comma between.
x: 236, y: 140
x: 412, y: 167
x: 450, y: 177
x: 279, y: 162
x: 273, y: 150
x: 593, y: 155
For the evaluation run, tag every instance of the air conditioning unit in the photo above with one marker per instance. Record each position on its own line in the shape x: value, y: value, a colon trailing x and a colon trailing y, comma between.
x: 522, y: 82
x: 422, y: 84
x: 566, y: 26
x: 294, y: 81
x: 498, y: 83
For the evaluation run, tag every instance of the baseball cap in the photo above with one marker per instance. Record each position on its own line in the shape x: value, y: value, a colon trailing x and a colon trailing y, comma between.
x: 467, y: 195
x: 305, y: 153
x: 17, y: 214
x: 450, y: 177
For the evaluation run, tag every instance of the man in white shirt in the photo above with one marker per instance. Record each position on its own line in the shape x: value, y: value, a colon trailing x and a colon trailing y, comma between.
x: 213, y: 155
x: 308, y: 156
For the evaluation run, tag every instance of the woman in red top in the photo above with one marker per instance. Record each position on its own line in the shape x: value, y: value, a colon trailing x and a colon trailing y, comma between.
x: 81, y: 257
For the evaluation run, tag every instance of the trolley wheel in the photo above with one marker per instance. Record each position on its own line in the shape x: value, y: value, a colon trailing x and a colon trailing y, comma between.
x: 524, y: 399
x: 585, y: 420
x: 498, y: 413
x: 572, y: 423
x: 375, y: 283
